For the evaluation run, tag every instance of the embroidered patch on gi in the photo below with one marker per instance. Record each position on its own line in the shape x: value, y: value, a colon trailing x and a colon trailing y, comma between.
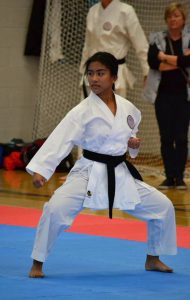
x: 89, y: 194
x: 130, y: 121
x: 107, y: 26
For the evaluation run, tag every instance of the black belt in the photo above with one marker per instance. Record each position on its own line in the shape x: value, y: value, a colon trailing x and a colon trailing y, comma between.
x: 111, y: 162
x: 121, y: 61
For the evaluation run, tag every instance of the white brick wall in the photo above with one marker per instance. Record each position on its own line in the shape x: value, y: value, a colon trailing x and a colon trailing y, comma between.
x: 18, y: 73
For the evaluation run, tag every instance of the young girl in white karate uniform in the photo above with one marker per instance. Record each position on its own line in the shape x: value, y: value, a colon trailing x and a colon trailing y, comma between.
x: 104, y: 125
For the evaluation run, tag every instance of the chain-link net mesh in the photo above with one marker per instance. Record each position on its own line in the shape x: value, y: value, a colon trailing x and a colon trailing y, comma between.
x: 59, y: 77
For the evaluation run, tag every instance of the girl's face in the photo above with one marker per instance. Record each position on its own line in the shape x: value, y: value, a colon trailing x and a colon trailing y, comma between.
x: 175, y: 20
x: 100, y: 79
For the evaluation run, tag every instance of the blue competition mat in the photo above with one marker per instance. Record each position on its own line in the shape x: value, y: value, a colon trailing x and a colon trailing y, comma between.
x: 85, y: 267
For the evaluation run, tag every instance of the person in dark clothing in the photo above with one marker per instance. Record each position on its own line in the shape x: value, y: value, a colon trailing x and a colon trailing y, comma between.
x: 168, y: 86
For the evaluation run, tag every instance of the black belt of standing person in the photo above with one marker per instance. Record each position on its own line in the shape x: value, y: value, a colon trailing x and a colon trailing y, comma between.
x: 121, y: 61
x: 112, y: 162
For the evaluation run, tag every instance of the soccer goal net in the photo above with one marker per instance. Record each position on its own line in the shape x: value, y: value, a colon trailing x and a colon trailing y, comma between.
x: 59, y: 78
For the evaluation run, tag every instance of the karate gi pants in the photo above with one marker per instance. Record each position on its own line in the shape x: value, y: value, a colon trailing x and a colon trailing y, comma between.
x: 67, y: 201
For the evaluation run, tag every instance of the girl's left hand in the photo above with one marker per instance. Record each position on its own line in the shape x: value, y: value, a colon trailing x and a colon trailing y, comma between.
x: 134, y: 143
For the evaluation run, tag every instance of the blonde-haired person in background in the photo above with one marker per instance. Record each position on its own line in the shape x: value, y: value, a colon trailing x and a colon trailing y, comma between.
x: 168, y: 87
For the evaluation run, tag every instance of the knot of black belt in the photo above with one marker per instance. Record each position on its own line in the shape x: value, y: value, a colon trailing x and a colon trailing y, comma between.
x: 121, y: 61
x: 111, y: 162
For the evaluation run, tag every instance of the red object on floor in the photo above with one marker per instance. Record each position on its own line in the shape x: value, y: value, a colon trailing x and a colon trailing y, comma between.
x: 128, y: 229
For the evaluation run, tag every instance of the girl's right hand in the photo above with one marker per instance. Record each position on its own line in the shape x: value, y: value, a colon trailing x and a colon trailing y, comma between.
x: 38, y: 180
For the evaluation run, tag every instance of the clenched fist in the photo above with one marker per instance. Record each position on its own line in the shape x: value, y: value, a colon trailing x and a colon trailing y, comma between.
x: 134, y: 143
x: 38, y: 180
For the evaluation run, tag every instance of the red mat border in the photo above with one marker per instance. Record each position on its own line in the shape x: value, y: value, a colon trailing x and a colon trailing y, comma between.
x: 129, y: 229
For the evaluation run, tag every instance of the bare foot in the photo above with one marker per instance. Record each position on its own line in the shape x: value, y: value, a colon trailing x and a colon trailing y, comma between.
x: 36, y: 270
x: 153, y: 263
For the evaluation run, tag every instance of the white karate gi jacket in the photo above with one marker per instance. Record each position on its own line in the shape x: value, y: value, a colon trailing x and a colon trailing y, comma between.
x: 92, y: 126
x: 114, y: 29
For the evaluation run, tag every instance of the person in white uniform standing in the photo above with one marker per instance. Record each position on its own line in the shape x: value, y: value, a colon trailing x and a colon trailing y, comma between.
x: 104, y: 125
x: 114, y: 27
